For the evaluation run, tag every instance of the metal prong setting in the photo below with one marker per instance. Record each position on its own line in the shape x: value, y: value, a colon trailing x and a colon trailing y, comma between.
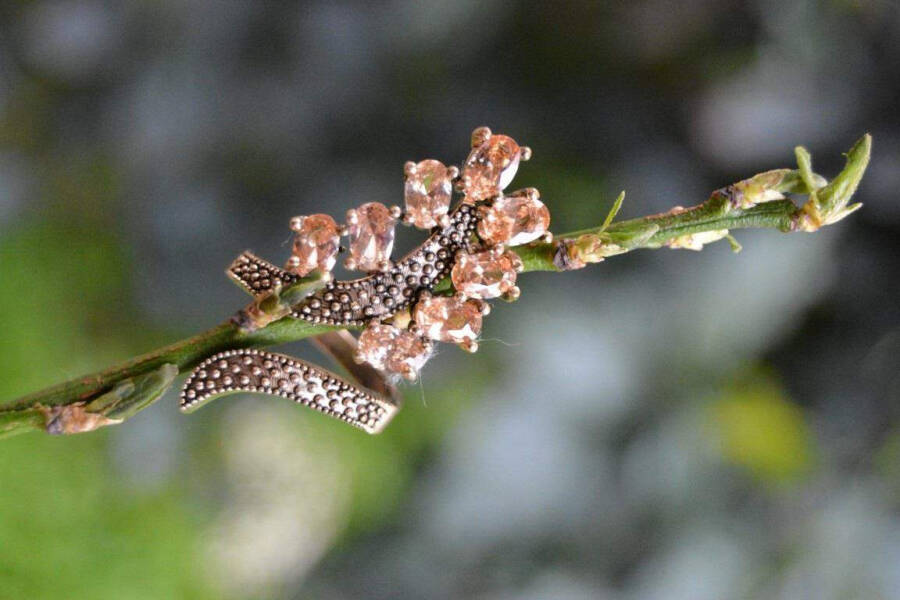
x: 512, y: 294
x: 530, y: 192
x: 480, y: 135
x: 292, y: 263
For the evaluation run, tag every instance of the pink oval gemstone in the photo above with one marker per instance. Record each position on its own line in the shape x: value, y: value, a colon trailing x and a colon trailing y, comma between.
x: 427, y: 193
x: 316, y: 244
x: 515, y: 219
x: 371, y: 235
x: 448, y: 319
x: 408, y: 354
x: 375, y: 343
x: 490, y: 167
x: 488, y: 274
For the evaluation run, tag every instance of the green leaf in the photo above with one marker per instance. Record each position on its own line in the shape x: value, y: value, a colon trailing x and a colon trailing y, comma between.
x: 834, y: 197
x: 616, y: 207
x: 146, y: 390
x: 804, y: 164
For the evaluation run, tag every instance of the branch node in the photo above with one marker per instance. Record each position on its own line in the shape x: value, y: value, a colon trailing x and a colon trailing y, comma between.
x: 73, y: 418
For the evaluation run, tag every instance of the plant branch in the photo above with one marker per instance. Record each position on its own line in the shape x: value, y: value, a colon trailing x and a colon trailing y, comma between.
x: 114, y: 394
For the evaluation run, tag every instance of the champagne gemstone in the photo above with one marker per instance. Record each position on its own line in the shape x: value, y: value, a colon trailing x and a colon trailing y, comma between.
x: 316, y: 244
x: 427, y: 193
x: 448, y: 318
x: 371, y: 233
x: 408, y: 354
x: 515, y: 219
x: 375, y: 343
x: 484, y: 275
x: 490, y: 167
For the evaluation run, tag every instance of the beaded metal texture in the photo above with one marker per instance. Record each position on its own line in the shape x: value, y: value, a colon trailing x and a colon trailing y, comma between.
x: 258, y: 276
x: 250, y: 370
x: 388, y: 300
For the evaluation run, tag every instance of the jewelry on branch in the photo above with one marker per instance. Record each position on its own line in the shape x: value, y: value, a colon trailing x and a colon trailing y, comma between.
x: 403, y: 307
x: 437, y: 293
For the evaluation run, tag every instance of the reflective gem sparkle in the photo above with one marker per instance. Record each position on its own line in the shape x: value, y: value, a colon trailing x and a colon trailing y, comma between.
x: 408, y: 354
x: 427, y: 193
x: 490, y: 167
x: 371, y: 233
x: 316, y: 244
x: 487, y: 274
x: 375, y: 343
x: 516, y: 219
x: 448, y: 318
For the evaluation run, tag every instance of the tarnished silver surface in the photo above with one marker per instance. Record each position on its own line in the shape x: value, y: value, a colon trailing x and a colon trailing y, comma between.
x: 251, y: 370
x: 258, y: 276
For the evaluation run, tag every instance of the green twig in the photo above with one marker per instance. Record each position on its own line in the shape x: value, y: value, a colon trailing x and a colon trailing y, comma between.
x: 114, y: 394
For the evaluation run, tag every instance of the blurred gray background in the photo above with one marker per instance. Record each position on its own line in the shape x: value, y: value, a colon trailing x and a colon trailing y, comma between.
x: 664, y: 425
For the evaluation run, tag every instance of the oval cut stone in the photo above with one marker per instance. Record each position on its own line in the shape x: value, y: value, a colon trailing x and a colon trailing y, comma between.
x: 375, y: 343
x: 490, y: 167
x: 316, y: 244
x: 408, y: 354
x: 484, y: 275
x: 448, y: 319
x: 515, y: 219
x: 371, y: 235
x: 427, y: 193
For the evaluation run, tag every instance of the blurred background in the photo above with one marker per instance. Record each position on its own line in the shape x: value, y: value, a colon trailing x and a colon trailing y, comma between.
x: 666, y: 424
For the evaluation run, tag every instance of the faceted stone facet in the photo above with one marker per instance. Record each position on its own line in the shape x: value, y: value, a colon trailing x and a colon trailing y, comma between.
x: 484, y: 275
x: 448, y: 319
x: 490, y: 167
x: 408, y: 354
x: 427, y: 193
x: 371, y: 233
x: 316, y: 244
x: 515, y: 219
x: 375, y: 343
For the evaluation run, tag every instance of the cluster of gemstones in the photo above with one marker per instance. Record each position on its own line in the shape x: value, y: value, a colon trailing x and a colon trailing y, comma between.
x: 397, y: 302
x: 402, y: 306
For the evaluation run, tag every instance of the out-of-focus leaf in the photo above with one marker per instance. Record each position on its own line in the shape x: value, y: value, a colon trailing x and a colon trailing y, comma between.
x: 761, y: 430
x: 69, y: 531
